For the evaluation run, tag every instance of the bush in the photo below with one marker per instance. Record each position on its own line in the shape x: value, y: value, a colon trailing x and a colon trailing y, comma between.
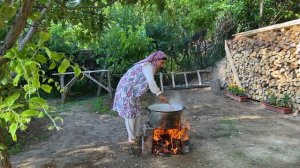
x: 234, y: 89
x: 122, y: 48
x: 284, y: 101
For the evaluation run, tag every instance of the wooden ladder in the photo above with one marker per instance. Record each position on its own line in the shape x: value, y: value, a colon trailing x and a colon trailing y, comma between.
x: 187, y: 85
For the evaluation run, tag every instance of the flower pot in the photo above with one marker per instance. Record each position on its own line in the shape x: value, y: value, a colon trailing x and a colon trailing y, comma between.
x: 283, y: 110
x: 236, y: 98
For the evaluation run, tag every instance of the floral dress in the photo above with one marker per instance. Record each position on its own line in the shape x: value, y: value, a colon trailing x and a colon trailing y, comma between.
x: 129, y: 90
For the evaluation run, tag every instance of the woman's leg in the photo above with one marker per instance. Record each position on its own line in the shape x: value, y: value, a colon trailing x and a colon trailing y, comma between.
x: 137, y: 125
x: 130, y: 123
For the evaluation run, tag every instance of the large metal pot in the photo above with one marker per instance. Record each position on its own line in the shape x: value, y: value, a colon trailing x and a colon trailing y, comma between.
x: 165, y: 115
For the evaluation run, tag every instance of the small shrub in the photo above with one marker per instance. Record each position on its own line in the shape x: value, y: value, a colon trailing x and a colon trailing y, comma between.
x: 271, y: 98
x: 285, y: 101
x: 234, y: 89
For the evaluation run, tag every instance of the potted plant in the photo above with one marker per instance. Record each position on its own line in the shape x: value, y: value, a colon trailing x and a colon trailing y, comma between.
x: 281, y: 105
x: 236, y: 93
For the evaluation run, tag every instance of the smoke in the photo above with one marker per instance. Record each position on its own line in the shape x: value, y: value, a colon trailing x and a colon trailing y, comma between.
x: 175, y: 98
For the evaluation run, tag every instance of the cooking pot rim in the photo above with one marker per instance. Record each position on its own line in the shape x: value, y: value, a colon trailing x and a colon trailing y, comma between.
x: 181, y: 107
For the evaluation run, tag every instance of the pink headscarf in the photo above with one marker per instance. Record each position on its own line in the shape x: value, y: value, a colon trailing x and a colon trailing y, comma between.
x: 154, y: 57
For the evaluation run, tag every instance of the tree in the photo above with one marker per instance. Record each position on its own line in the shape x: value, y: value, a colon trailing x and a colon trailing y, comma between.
x: 18, y: 25
x: 22, y: 78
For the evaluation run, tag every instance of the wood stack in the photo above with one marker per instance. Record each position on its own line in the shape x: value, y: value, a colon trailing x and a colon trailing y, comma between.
x: 268, y: 60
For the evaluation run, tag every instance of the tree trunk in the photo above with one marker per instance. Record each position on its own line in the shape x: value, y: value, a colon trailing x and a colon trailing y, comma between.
x: 5, y: 162
x: 17, y: 27
x: 261, y: 13
x: 34, y: 27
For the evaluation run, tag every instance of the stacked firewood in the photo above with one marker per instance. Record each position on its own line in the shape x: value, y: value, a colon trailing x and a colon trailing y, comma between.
x: 268, y: 61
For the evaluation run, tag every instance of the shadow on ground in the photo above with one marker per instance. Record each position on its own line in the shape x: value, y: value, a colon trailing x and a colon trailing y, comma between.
x: 224, y: 133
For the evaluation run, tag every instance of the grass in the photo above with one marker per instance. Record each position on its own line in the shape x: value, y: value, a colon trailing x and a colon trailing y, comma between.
x: 15, y: 148
x: 226, y: 128
x: 99, y: 105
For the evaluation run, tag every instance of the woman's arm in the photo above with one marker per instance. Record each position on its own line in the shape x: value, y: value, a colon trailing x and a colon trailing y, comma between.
x: 148, y: 71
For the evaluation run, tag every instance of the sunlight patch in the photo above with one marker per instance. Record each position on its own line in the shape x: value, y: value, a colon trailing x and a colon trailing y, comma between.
x: 245, y: 117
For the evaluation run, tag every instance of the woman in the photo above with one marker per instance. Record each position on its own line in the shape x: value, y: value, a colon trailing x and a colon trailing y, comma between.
x: 135, y: 82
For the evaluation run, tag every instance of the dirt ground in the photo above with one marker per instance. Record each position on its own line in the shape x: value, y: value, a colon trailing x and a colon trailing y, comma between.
x: 224, y: 134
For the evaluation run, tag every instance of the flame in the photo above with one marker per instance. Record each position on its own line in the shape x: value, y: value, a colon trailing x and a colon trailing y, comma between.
x: 157, y: 133
x: 169, y: 140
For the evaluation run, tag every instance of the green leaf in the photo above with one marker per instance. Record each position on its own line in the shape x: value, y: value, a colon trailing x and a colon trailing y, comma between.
x: 19, y: 69
x: 44, y: 36
x: 14, y: 137
x: 8, y: 116
x: 4, y: 81
x: 30, y: 113
x: 15, y: 106
x: 41, y: 115
x: 63, y: 66
x: 57, y: 56
x: 41, y: 58
x: 77, y: 70
x: 27, y: 120
x: 8, y: 11
x: 12, y: 130
x: 9, y: 101
x: 2, y: 147
x: 51, y: 127
x: 48, y: 52
x: 32, y: 64
x: 36, y: 102
x: 9, y: 54
x: 29, y: 88
x: 35, y: 16
x: 13, y: 64
x: 1, y: 24
x: 59, y: 118
x: 53, y: 65
x: 50, y: 80
x: 47, y: 88
x: 16, y: 80
x: 23, y: 127
x: 36, y: 83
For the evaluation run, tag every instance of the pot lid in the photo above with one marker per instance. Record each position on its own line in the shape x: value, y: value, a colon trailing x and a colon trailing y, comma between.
x: 165, y: 107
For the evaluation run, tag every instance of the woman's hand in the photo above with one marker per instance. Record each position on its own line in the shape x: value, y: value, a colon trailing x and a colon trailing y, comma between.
x: 163, y: 99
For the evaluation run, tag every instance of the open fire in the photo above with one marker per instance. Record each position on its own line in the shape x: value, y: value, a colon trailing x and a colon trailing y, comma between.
x: 166, y: 133
x: 170, y: 141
